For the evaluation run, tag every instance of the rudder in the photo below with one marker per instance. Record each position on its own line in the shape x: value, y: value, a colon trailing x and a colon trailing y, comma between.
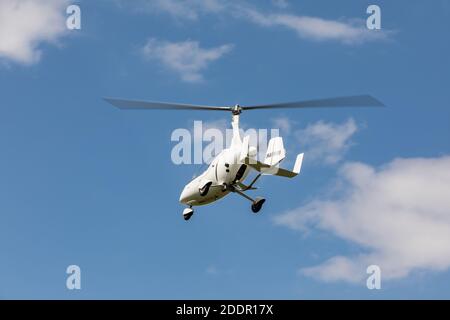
x: 275, y: 151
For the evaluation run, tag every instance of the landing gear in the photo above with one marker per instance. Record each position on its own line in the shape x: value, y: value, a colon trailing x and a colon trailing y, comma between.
x: 204, y: 190
x: 187, y: 213
x: 257, y: 204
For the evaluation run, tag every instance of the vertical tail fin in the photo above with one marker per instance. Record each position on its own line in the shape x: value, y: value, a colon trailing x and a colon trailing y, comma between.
x: 298, y: 163
x: 275, y: 151
x: 290, y: 174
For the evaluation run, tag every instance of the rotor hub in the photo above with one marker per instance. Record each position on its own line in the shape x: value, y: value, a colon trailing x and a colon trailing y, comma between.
x: 237, y: 109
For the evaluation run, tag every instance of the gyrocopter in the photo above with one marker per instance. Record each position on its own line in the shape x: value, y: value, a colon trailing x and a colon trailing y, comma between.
x: 228, y: 170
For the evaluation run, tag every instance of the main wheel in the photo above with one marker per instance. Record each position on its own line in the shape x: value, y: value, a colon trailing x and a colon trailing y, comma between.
x: 187, y: 213
x: 257, y: 205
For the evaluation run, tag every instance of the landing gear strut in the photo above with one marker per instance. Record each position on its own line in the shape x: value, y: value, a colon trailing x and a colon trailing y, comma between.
x: 256, y: 203
x: 187, y: 213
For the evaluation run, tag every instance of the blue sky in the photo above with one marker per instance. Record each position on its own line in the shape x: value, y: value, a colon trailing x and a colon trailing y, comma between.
x: 84, y: 183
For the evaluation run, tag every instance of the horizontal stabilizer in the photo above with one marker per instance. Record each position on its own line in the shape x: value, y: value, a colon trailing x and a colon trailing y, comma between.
x: 274, y: 170
x: 257, y: 165
x: 290, y: 174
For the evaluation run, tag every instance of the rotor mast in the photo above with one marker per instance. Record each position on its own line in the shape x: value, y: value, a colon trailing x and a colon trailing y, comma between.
x: 236, y: 111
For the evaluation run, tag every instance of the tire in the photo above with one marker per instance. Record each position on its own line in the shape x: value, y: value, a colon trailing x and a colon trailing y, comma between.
x: 187, y: 213
x: 257, y: 205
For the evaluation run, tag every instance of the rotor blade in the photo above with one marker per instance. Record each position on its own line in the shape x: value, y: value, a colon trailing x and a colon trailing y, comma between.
x: 136, y: 104
x: 350, y: 101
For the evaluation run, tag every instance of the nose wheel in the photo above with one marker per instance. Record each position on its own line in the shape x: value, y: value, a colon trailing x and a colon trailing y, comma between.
x: 187, y: 213
x: 257, y: 204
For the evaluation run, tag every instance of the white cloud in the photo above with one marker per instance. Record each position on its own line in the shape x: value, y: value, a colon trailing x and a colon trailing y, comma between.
x: 26, y: 24
x: 347, y: 31
x: 398, y: 214
x: 184, y: 9
x: 326, y: 142
x: 280, y: 3
x: 284, y: 124
x: 319, y: 29
x: 177, y: 9
x: 186, y: 58
x: 212, y: 270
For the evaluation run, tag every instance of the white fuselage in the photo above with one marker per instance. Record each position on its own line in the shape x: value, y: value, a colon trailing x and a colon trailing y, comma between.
x: 225, y: 169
